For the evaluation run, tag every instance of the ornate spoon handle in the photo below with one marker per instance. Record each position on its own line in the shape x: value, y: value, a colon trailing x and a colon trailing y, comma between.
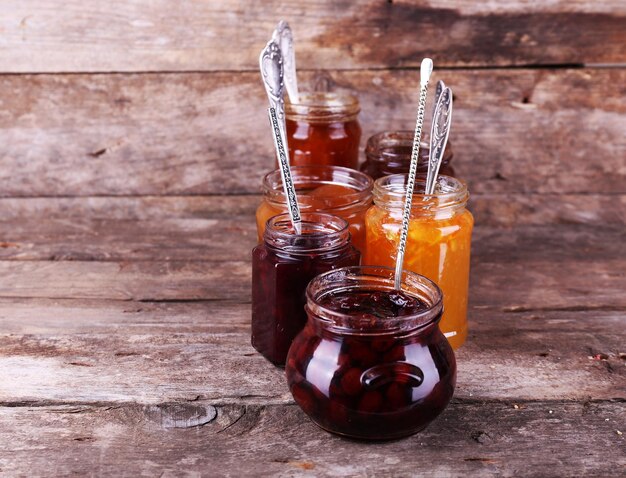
x: 271, y: 64
x: 284, y: 37
x: 439, y: 133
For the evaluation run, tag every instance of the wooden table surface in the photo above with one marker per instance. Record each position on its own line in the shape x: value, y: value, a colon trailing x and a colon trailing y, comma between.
x: 133, y: 139
x: 126, y: 351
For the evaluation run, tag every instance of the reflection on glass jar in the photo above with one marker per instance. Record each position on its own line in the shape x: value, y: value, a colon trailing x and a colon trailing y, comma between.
x: 389, y: 153
x: 323, y: 128
x: 438, y: 244
x: 281, y: 269
x: 371, y: 361
x: 340, y: 191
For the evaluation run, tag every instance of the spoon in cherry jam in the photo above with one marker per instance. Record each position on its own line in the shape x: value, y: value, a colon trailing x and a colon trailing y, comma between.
x: 374, y: 304
x: 426, y: 70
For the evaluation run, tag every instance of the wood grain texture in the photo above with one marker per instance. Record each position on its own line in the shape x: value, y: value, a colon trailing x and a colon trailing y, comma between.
x: 190, y: 213
x: 149, y: 35
x: 190, y: 134
x: 197, y: 228
x: 204, y: 229
x: 470, y: 439
x: 97, y: 352
x: 538, y: 283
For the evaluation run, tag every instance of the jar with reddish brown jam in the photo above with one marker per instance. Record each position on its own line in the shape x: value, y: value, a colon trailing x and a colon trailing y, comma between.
x: 371, y: 362
x: 282, y: 267
x: 389, y: 153
x: 323, y: 128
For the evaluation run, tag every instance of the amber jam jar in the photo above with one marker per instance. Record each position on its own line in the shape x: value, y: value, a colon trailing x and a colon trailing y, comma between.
x: 281, y: 269
x: 389, y: 153
x: 323, y: 128
x: 371, y: 361
x: 438, y: 245
x: 340, y: 191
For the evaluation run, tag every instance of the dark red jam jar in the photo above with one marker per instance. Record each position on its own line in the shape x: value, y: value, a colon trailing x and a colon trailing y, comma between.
x: 371, y: 362
x: 389, y: 153
x: 282, y: 267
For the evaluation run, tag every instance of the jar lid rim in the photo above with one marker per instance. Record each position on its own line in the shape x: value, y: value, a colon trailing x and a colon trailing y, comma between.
x: 354, y: 325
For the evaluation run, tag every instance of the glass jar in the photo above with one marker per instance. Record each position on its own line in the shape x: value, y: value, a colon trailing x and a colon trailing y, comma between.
x: 281, y: 269
x: 340, y: 191
x: 366, y: 370
x: 323, y: 128
x: 389, y: 153
x: 438, y: 244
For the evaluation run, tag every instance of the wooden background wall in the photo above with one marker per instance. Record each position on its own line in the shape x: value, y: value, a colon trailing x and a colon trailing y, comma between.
x: 127, y: 100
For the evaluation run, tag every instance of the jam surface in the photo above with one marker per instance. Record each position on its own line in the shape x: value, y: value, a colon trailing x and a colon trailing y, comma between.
x: 374, y: 386
x: 373, y: 304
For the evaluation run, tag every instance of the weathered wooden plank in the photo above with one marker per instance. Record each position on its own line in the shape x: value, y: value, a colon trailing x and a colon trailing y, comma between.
x: 507, y: 210
x: 223, y: 229
x: 470, y: 439
x: 85, y: 239
x: 90, y: 351
x: 124, y: 280
x: 182, y: 134
x: 539, y: 283
x: 147, y: 35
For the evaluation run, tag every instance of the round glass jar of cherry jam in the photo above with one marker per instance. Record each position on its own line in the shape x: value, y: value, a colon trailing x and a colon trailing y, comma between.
x: 323, y: 128
x: 335, y: 190
x: 282, y: 267
x: 371, y: 362
x: 389, y: 153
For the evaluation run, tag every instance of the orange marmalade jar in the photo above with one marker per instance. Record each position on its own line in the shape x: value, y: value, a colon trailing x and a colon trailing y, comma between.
x: 335, y: 190
x: 322, y: 128
x: 438, y: 244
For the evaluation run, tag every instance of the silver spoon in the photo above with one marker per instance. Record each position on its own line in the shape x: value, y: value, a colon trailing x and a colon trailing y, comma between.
x: 439, y: 133
x: 271, y: 65
x: 426, y: 70
x: 284, y: 37
x: 438, y: 90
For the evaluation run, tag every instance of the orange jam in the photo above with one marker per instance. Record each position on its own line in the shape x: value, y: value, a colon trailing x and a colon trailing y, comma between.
x: 332, y: 189
x: 323, y: 129
x: 438, y: 243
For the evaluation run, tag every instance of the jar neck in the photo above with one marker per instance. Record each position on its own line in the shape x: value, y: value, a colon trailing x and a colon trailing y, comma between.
x: 449, y: 198
x: 307, y: 179
x: 368, y: 279
x: 321, y: 233
x: 323, y: 107
x: 394, y: 148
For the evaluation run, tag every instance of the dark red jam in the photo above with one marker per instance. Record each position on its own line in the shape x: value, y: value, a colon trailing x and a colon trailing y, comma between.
x: 373, y: 304
x: 360, y: 379
x: 281, y: 269
x: 389, y: 153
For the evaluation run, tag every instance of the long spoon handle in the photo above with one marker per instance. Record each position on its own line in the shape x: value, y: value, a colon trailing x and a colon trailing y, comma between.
x: 425, y: 72
x: 271, y: 64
